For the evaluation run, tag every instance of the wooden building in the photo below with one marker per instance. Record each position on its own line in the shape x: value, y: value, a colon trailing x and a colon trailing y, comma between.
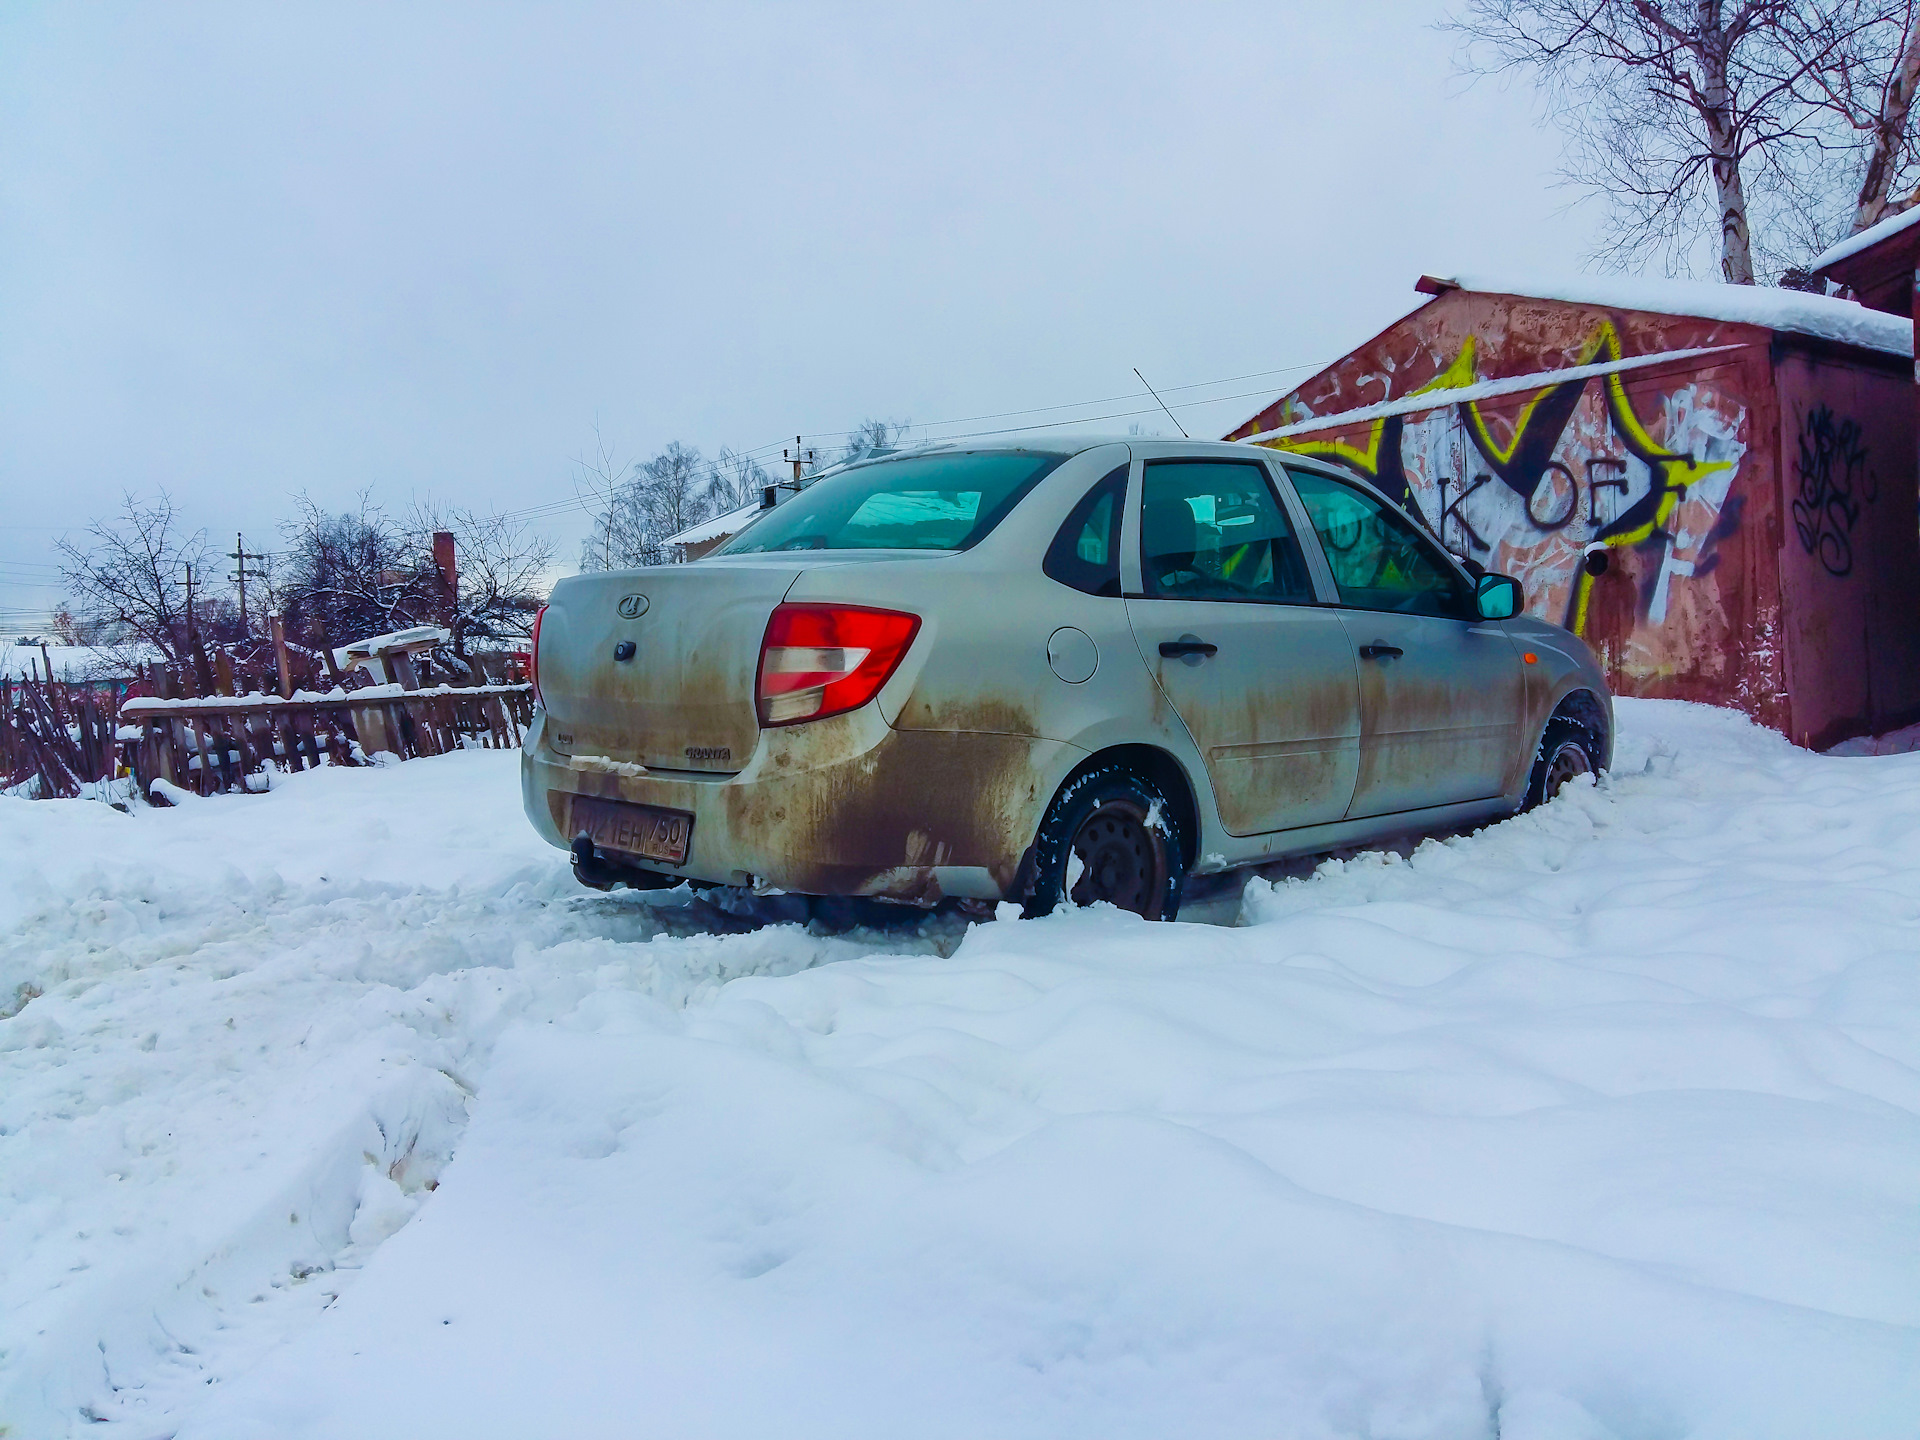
x: 1876, y: 267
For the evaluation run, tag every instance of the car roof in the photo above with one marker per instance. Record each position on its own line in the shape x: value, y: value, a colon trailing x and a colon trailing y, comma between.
x: 1070, y: 443
x: 1148, y: 447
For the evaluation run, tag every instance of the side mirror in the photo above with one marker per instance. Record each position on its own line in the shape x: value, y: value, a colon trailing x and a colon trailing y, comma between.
x: 1499, y: 597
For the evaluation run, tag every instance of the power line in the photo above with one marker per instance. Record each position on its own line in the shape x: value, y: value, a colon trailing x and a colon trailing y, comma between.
x: 1108, y: 400
x: 1161, y: 403
x: 760, y: 453
x: 547, y: 509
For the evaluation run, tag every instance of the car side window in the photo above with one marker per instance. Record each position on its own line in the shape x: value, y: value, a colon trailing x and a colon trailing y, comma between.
x: 1380, y: 560
x: 1086, y: 552
x: 1212, y: 530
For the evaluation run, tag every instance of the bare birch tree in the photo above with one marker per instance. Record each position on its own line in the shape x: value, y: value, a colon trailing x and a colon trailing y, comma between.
x: 1676, y: 108
x: 675, y: 489
x: 645, y: 508
x: 1890, y: 146
x: 602, y: 474
x: 873, y: 435
x: 735, y: 480
x: 1870, y: 94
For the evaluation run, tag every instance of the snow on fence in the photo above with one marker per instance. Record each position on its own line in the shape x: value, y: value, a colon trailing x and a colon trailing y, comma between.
x: 214, y: 744
x: 210, y: 723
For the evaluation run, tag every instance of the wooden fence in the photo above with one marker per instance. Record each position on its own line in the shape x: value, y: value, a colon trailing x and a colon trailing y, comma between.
x: 213, y: 744
x: 234, y: 709
x: 58, y: 734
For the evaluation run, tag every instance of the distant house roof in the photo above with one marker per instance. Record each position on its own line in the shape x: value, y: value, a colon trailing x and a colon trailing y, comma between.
x: 718, y: 526
x: 736, y: 519
x: 1872, y: 235
x: 1793, y: 311
x: 408, y: 641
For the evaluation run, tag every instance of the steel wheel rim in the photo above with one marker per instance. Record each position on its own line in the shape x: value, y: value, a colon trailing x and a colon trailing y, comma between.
x: 1123, y: 860
x: 1568, y: 761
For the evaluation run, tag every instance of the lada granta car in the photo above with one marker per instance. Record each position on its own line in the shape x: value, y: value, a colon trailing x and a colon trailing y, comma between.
x: 1084, y: 671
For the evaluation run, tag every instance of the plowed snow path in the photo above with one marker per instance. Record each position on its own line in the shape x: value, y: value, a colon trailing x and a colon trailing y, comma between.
x: 344, y: 1113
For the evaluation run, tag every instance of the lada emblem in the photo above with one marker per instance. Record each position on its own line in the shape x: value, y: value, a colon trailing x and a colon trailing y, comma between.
x: 632, y: 607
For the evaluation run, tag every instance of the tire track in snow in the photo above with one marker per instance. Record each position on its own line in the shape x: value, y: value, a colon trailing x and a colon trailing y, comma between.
x: 217, y: 1101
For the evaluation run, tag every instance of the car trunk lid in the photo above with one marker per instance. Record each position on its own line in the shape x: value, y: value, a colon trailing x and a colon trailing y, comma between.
x: 685, y: 698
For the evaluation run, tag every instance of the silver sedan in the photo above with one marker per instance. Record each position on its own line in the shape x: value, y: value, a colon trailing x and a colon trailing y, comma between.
x: 1084, y: 670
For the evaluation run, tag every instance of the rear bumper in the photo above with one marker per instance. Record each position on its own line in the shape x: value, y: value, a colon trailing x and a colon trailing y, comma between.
x: 845, y: 806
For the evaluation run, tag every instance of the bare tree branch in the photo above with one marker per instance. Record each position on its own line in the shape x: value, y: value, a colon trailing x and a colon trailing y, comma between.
x: 1754, y: 122
x: 129, y: 576
x: 501, y: 573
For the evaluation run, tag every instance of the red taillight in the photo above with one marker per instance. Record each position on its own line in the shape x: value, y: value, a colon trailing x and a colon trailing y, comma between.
x: 821, y: 660
x: 533, y: 656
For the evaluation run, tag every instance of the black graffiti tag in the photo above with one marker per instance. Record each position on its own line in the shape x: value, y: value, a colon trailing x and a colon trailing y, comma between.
x: 1452, y: 511
x: 1595, y: 483
x: 1551, y: 521
x: 1834, y: 485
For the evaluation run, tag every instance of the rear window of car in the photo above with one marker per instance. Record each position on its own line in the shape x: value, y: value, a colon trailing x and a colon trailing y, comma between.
x: 949, y: 501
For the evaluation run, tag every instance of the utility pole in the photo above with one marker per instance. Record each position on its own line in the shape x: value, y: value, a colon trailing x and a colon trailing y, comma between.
x: 800, y: 458
x: 202, y: 671
x: 240, y: 555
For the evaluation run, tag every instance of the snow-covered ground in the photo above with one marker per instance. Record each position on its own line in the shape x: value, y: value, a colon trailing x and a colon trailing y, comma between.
x: 341, y: 1112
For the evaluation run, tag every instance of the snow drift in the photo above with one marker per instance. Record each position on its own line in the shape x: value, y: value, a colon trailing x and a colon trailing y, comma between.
x: 340, y: 1112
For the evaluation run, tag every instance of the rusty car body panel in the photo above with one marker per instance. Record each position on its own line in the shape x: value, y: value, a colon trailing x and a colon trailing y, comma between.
x: 937, y: 786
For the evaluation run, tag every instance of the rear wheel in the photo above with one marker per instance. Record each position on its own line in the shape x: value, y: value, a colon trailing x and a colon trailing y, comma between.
x: 1568, y: 750
x: 1108, y: 836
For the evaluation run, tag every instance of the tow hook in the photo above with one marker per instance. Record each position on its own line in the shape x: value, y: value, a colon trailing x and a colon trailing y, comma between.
x: 587, y: 867
x: 598, y: 872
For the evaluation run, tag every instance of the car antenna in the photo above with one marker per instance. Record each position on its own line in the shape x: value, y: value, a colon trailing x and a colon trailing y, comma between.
x: 1163, y: 404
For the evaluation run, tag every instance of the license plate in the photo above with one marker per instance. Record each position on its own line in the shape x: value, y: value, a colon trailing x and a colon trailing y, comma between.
x: 643, y: 830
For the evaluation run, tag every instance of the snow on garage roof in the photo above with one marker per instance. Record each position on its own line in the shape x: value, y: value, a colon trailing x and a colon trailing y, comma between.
x: 1872, y: 235
x: 1793, y: 311
x: 1439, y: 399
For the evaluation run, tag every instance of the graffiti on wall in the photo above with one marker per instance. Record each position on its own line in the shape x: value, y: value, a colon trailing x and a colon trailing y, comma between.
x: 1834, y: 486
x: 1582, y: 466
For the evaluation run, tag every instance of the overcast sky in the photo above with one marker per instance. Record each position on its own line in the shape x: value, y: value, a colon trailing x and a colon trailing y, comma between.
x: 250, y: 250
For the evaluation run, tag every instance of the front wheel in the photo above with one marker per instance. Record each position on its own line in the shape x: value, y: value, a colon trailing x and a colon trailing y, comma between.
x: 1109, y: 836
x: 1567, y: 751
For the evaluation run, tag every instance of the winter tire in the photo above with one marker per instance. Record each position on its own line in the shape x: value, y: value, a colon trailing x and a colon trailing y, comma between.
x: 1109, y: 836
x: 1567, y: 750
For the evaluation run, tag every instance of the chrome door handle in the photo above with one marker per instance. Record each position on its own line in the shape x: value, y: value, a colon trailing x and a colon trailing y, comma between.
x: 1380, y: 652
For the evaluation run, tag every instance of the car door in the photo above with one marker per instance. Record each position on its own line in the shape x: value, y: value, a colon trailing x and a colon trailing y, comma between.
x: 1441, y: 690
x: 1229, y: 621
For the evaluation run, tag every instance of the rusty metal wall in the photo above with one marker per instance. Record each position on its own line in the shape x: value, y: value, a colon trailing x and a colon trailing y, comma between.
x: 1849, y: 557
x: 1673, y: 471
